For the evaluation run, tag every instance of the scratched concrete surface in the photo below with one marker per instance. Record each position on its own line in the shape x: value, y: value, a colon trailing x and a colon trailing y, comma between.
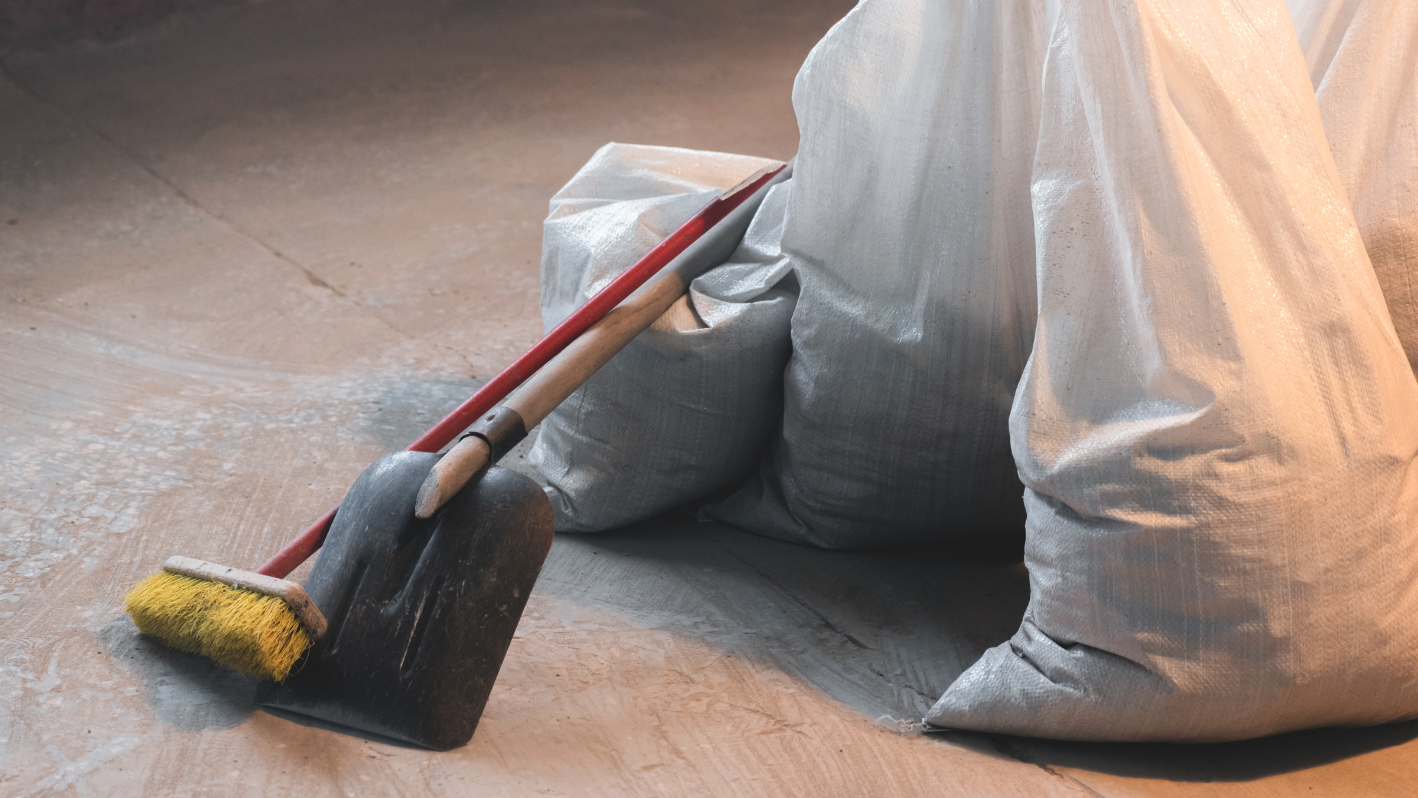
x: 248, y: 250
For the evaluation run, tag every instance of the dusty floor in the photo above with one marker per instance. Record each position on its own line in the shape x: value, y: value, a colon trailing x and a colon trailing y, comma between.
x: 245, y: 252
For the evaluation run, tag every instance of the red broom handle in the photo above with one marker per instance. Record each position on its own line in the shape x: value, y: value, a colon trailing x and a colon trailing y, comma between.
x: 497, y: 389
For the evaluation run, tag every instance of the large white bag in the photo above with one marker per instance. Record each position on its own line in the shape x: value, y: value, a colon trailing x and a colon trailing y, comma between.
x: 685, y: 408
x: 1217, y: 429
x: 1363, y: 59
x: 910, y: 233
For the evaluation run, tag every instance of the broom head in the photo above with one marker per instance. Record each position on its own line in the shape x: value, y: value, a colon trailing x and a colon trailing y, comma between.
x: 255, y: 624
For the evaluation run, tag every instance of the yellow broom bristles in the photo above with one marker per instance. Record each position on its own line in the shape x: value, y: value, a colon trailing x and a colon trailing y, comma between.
x: 251, y: 632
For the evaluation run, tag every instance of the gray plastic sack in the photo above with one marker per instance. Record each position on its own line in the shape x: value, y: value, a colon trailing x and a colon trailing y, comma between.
x: 685, y: 408
x: 1218, y: 428
x: 1363, y: 59
x: 909, y: 230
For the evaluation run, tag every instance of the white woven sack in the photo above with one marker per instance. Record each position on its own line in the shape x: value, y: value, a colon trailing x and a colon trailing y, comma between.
x: 685, y: 408
x: 1363, y: 59
x: 1218, y: 429
x: 910, y: 232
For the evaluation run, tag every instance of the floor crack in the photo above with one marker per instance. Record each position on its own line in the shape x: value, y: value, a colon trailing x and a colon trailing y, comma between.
x: 790, y: 594
x: 1014, y: 751
x: 902, y: 685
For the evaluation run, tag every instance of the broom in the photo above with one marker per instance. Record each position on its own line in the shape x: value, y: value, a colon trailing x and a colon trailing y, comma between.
x: 260, y: 623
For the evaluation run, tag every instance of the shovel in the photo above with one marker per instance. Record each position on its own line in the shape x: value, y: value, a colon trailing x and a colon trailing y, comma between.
x: 429, y: 563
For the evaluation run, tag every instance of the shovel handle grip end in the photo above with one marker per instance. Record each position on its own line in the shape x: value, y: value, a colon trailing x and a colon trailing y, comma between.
x: 450, y: 474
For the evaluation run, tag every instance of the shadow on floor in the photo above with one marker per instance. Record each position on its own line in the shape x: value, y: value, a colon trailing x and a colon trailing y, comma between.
x: 884, y: 632
x: 349, y: 731
x: 189, y: 692
x: 881, y: 631
x: 1207, y: 762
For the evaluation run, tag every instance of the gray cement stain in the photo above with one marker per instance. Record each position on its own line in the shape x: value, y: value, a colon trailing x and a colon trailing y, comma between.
x: 185, y: 691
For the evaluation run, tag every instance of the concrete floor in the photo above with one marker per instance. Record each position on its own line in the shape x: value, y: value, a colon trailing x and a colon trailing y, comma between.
x: 247, y: 251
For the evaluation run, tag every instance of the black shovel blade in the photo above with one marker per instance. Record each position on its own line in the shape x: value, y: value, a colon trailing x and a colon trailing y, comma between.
x: 421, y: 612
